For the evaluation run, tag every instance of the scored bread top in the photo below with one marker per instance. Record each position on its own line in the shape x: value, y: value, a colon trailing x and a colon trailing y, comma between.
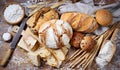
x: 55, y: 33
x: 80, y: 22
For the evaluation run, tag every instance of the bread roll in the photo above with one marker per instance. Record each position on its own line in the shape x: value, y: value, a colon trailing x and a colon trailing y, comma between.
x: 104, y: 17
x: 80, y: 22
x: 76, y: 39
x: 87, y: 44
x: 55, y: 33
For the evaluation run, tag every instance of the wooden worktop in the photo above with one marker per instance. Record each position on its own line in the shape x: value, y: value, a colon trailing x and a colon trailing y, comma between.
x: 20, y: 61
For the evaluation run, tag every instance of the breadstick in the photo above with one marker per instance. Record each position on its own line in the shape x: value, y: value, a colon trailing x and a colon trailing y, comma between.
x: 76, y: 55
x: 77, y: 59
x: 82, y: 58
x: 114, y: 34
x: 76, y: 52
x: 86, y: 59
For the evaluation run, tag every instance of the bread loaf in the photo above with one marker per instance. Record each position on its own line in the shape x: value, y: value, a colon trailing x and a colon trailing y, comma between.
x: 55, y: 33
x: 41, y: 17
x: 104, y: 17
x: 80, y: 22
x: 52, y: 57
x: 76, y: 39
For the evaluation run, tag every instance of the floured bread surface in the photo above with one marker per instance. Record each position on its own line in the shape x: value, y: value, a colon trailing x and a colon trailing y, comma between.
x: 55, y: 33
x: 13, y: 13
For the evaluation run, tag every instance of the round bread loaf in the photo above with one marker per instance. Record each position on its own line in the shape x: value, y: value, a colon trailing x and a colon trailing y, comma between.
x: 55, y: 33
x: 80, y: 22
x: 13, y: 13
x: 76, y: 39
x: 87, y: 43
x: 104, y: 17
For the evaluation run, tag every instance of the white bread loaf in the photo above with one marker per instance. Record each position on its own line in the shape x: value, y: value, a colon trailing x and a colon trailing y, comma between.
x: 55, y: 33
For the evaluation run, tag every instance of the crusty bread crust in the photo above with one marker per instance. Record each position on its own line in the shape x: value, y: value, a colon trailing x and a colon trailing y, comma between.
x: 104, y: 17
x: 80, y: 22
x: 87, y: 43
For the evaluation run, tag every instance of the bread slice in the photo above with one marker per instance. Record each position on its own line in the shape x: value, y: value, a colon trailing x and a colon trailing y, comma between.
x: 23, y: 45
x: 30, y: 41
x: 52, y: 61
x: 58, y: 53
x: 35, y: 58
x: 43, y: 52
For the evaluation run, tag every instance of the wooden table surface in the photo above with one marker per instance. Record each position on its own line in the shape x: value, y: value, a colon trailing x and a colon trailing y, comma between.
x: 20, y: 61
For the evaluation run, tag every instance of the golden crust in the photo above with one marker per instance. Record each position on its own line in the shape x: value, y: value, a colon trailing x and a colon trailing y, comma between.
x: 41, y: 17
x: 104, y: 17
x: 80, y: 22
x: 87, y: 44
x: 76, y: 39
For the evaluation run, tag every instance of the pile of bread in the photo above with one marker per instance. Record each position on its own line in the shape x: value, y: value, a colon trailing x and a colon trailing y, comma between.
x: 50, y: 35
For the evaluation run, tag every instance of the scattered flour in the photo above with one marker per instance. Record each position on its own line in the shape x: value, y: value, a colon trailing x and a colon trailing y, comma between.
x: 19, y: 60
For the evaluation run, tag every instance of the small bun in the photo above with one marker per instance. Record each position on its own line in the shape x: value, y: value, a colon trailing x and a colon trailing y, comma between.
x: 104, y: 17
x: 76, y: 39
x: 87, y: 43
